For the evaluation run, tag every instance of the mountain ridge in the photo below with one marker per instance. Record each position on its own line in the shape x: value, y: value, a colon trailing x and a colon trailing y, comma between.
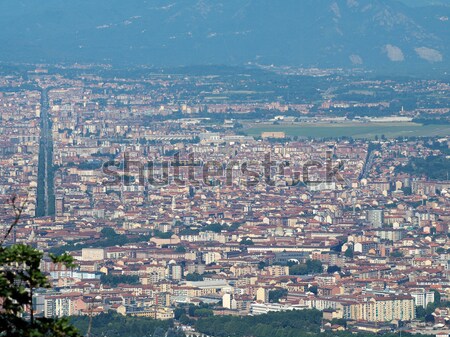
x: 322, y: 33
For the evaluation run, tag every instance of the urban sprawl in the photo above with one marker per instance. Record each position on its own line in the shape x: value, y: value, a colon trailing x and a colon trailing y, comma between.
x: 175, y: 189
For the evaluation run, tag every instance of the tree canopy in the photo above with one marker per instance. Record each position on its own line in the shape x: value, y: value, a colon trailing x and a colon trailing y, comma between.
x: 310, y: 267
x: 20, y: 276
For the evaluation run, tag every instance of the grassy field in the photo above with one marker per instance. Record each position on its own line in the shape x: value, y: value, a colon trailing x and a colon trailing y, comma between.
x: 355, y: 130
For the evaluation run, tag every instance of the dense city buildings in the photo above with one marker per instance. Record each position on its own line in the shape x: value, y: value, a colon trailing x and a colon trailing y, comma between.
x: 230, y: 195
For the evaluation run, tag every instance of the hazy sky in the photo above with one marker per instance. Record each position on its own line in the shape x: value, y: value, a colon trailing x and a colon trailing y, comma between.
x: 425, y: 2
x: 191, y: 32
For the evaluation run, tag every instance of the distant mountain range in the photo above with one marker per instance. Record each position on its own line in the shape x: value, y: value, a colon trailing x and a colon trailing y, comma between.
x: 376, y: 34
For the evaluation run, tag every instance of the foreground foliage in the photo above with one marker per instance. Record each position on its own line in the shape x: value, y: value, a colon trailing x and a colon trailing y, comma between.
x: 20, y: 276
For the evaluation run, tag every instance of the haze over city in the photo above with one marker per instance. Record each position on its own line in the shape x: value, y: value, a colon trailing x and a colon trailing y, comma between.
x: 224, y: 168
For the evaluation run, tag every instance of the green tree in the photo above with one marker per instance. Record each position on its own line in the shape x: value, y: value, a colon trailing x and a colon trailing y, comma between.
x: 349, y: 252
x: 247, y: 242
x: 191, y: 310
x: 440, y: 250
x: 215, y: 227
x: 310, y: 267
x: 397, y: 254
x: 115, y: 280
x: 109, y: 233
x: 429, y: 318
x: 339, y: 321
x: 313, y: 289
x: 194, y: 277
x: 185, y: 320
x: 421, y: 312
x: 178, y: 312
x: 20, y: 276
x: 159, y: 332
x: 180, y: 249
x: 203, y: 312
x: 277, y: 294
x: 162, y: 235
x: 333, y: 269
x: 437, y: 297
x: 113, y: 324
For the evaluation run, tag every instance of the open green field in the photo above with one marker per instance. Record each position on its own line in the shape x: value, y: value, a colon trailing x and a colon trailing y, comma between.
x: 355, y: 130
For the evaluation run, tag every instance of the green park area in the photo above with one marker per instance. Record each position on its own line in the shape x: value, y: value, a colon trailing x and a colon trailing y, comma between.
x: 352, y: 129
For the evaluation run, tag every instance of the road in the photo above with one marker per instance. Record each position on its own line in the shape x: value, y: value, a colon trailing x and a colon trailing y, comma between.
x: 369, y: 162
x: 45, y: 196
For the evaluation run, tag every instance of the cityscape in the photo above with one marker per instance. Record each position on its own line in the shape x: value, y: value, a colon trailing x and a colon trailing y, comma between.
x: 223, y: 200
